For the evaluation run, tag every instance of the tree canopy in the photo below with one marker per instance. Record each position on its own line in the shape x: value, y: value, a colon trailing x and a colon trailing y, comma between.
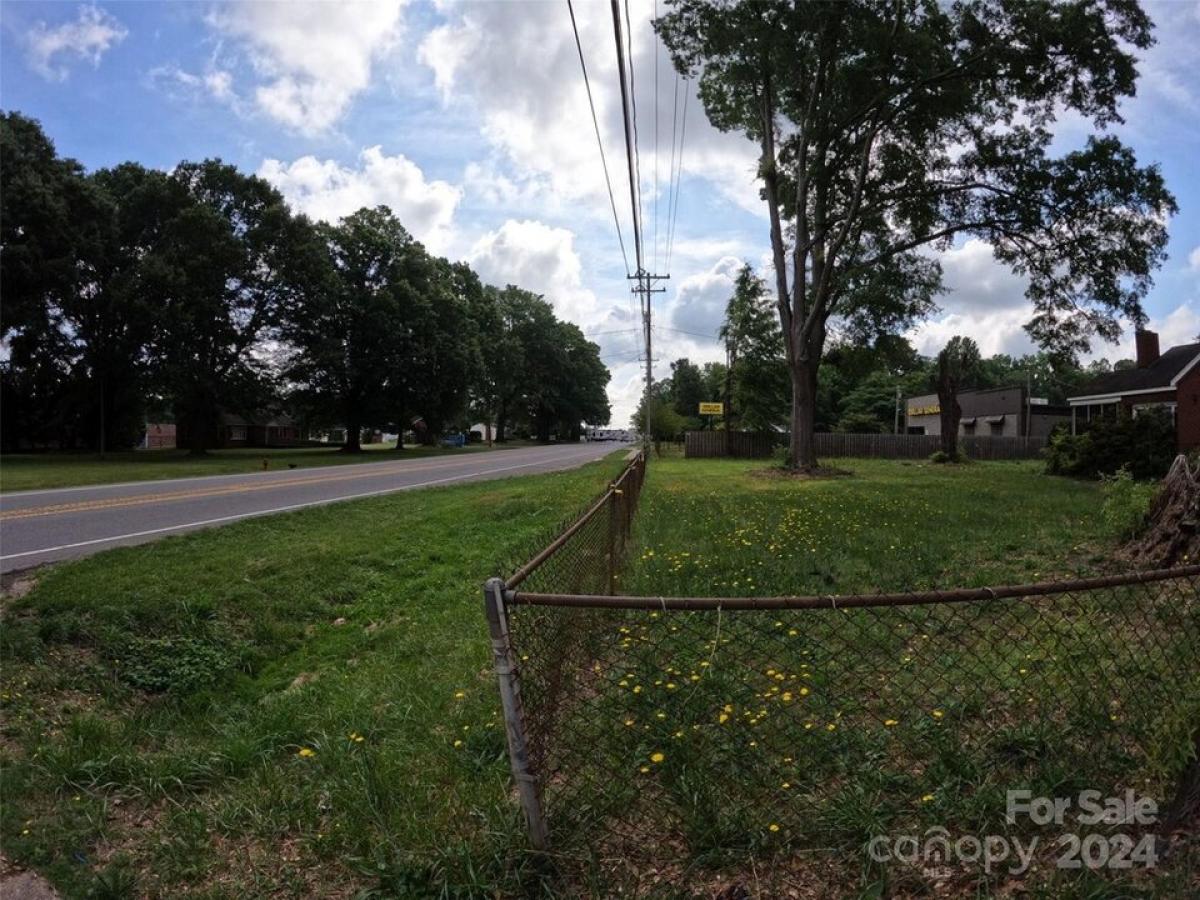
x: 198, y: 293
x: 888, y: 126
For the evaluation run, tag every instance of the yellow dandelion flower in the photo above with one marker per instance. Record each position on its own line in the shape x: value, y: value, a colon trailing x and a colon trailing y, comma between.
x: 306, y: 752
x: 458, y: 695
x: 772, y: 827
x: 927, y: 798
x: 657, y: 757
x: 890, y: 722
x: 937, y: 714
x: 458, y: 743
x: 723, y: 718
x: 644, y: 769
x: 628, y: 722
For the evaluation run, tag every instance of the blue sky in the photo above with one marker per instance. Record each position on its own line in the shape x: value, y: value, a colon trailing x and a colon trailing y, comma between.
x: 470, y: 120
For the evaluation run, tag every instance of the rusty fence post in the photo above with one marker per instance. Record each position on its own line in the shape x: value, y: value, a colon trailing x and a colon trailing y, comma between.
x: 614, y: 538
x: 514, y: 713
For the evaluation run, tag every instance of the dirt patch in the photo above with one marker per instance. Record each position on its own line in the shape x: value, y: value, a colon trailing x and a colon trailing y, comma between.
x: 16, y: 885
x: 820, y: 473
x: 14, y: 585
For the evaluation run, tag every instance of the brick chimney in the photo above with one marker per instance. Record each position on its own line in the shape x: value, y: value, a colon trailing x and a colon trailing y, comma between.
x: 1147, y: 348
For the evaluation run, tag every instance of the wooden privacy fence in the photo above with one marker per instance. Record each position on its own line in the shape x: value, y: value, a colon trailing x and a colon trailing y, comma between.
x: 759, y: 445
x: 740, y: 444
x: 920, y: 446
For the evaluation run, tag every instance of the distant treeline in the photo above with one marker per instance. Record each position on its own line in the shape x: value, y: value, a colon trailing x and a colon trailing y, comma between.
x: 856, y: 384
x: 131, y: 293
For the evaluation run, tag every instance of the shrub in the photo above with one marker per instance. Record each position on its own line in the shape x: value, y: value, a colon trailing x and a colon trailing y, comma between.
x: 1144, y: 445
x: 941, y: 457
x: 1126, y: 502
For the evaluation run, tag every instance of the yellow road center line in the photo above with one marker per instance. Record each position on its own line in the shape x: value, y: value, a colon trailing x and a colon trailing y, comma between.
x: 198, y: 493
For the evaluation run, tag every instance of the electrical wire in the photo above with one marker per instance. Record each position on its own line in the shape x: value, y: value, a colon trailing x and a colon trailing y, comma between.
x: 599, y: 142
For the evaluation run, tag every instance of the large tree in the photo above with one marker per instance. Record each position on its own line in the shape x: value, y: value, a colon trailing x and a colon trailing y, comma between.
x: 957, y: 366
x: 76, y: 325
x: 343, y: 326
x: 220, y: 272
x: 889, y: 126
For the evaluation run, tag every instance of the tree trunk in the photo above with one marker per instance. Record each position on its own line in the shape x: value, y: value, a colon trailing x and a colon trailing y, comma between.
x: 353, y: 442
x: 804, y: 414
x: 400, y: 431
x: 501, y: 415
x: 949, y: 413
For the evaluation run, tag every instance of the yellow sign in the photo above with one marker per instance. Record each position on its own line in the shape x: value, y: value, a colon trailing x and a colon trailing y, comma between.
x: 712, y: 409
x: 924, y: 410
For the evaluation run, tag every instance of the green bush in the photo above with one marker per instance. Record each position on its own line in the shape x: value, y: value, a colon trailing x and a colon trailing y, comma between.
x: 177, y: 664
x: 941, y: 457
x: 1126, y: 502
x: 1144, y: 445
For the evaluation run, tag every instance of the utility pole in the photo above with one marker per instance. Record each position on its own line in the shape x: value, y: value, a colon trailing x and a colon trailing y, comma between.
x: 645, y: 290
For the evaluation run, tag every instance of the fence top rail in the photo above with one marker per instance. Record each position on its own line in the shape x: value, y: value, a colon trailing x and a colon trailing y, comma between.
x: 631, y: 459
x: 848, y: 601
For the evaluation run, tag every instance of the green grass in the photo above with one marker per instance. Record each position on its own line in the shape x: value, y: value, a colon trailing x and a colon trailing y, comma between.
x: 717, y: 527
x: 156, y: 701
x: 768, y: 734
x: 304, y: 705
x: 39, y: 471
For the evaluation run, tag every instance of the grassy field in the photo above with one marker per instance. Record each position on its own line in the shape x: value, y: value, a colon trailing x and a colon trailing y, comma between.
x: 690, y: 742
x: 717, y: 527
x: 303, y: 705
x: 299, y: 705
x: 39, y: 471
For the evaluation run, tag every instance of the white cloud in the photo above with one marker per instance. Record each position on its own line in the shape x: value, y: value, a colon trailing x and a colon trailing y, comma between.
x: 1194, y: 259
x: 174, y: 81
x: 88, y: 38
x: 995, y: 331
x: 326, y: 190
x: 699, y: 304
x: 311, y: 59
x: 520, y: 72
x: 539, y: 258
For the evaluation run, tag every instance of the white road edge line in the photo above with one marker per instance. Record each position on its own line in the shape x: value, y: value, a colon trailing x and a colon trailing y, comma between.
x: 267, y: 512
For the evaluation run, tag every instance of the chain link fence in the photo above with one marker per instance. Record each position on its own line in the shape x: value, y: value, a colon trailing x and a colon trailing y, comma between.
x: 668, y: 734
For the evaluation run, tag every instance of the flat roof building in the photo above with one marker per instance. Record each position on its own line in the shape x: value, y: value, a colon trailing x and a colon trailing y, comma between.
x: 997, y: 412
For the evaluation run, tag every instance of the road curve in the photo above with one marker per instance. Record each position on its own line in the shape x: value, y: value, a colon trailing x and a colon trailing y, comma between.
x: 38, y: 527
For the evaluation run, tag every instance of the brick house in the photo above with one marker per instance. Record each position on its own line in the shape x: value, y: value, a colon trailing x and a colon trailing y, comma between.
x: 1170, y: 381
x: 236, y: 431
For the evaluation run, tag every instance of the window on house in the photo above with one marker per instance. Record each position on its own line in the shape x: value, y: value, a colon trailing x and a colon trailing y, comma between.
x: 1168, y: 408
x: 237, y: 432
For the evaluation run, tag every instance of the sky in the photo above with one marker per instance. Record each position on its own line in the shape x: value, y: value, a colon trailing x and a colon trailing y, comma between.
x: 470, y: 120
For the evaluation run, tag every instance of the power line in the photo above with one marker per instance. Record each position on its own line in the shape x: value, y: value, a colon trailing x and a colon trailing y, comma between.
x: 629, y: 150
x: 715, y: 337
x: 600, y: 143
x: 678, y: 177
x: 637, y: 150
x: 654, y: 194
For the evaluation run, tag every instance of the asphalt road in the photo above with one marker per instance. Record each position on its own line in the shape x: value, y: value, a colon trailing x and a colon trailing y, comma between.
x: 38, y: 527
